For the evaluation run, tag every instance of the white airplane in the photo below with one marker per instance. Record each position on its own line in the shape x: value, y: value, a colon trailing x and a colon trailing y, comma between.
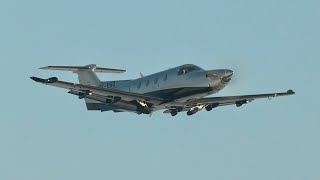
x: 183, y: 88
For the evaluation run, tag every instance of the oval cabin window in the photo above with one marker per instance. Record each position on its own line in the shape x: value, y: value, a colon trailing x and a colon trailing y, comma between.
x: 156, y: 80
x: 165, y: 77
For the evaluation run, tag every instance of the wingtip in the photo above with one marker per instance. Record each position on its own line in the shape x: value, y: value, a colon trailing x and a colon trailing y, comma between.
x: 40, y: 80
x: 36, y: 79
x: 291, y: 92
x: 46, y: 67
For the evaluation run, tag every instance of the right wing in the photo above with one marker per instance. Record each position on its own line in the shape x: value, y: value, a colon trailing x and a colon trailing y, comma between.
x: 194, y: 106
x: 238, y: 99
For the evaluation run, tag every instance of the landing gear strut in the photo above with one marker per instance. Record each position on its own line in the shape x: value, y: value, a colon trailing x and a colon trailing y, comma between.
x: 143, y: 107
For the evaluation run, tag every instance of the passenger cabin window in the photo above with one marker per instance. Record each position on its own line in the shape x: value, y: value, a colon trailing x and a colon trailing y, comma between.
x: 139, y: 85
x: 165, y: 77
x: 156, y: 80
x: 147, y: 83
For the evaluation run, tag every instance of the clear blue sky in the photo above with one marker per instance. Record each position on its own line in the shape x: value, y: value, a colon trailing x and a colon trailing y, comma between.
x: 271, y: 45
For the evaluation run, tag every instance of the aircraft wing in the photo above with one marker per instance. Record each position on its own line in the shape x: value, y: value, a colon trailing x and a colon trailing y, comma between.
x: 87, y: 90
x: 212, y: 102
x: 237, y: 99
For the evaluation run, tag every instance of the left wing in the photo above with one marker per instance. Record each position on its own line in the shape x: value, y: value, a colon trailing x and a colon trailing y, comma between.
x: 86, y: 90
x: 194, y: 106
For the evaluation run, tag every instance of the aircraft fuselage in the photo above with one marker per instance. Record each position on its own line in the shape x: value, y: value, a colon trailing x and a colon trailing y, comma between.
x: 180, y: 83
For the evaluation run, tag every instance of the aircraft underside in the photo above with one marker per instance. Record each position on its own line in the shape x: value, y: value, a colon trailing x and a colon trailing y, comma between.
x: 179, y: 89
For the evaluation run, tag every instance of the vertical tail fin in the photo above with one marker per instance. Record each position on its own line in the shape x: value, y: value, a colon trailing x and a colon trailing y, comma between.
x: 87, y: 75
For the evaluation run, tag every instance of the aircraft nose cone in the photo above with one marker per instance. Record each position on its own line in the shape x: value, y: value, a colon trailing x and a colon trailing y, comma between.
x: 228, y: 73
x: 227, y: 76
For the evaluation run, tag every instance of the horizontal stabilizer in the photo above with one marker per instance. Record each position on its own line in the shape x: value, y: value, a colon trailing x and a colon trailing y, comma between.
x: 91, y: 67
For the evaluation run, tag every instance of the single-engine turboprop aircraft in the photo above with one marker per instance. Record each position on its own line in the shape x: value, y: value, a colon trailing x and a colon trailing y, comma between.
x: 179, y: 89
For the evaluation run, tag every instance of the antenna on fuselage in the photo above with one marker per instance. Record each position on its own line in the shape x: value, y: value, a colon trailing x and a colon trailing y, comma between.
x: 141, y: 74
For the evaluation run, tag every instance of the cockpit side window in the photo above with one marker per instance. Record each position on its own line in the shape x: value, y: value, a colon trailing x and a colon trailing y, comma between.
x: 187, y: 69
x: 192, y: 68
x: 182, y: 71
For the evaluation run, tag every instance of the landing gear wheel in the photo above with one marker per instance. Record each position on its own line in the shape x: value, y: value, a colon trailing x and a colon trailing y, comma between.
x: 209, y: 108
x: 174, y: 113
x: 239, y: 104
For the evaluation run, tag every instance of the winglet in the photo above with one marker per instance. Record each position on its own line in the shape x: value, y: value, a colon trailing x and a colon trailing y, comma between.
x: 46, y: 81
x: 291, y: 92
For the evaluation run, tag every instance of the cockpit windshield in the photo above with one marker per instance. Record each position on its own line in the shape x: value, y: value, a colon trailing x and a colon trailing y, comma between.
x: 188, y: 68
